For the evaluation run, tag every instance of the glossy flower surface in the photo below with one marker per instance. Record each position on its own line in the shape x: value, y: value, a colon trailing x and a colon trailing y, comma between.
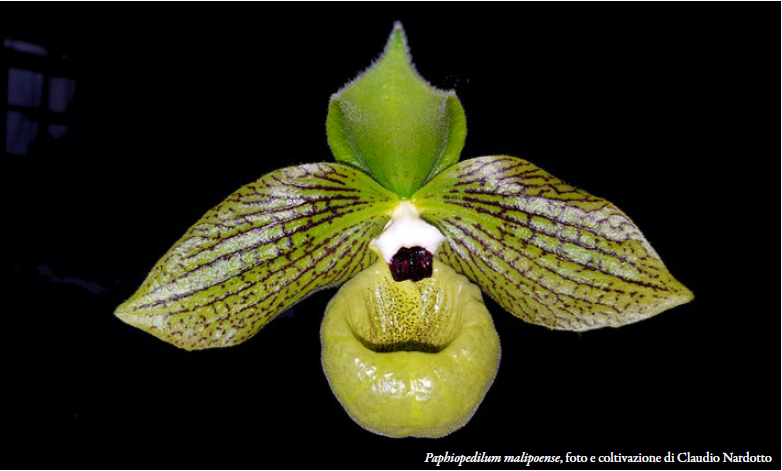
x: 415, y: 236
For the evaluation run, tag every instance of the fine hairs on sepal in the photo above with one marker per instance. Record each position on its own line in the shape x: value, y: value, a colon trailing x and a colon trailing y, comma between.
x: 398, y: 30
x: 393, y: 124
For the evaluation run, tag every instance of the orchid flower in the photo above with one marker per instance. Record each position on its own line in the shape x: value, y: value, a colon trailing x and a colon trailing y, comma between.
x: 413, y: 236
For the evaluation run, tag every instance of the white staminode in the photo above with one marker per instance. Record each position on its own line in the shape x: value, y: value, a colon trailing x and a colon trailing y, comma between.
x: 407, y: 229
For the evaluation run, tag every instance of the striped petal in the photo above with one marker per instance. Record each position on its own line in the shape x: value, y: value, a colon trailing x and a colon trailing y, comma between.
x: 266, y: 247
x: 547, y: 252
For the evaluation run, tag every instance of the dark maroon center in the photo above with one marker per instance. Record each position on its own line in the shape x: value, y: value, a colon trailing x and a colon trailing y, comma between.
x: 411, y: 264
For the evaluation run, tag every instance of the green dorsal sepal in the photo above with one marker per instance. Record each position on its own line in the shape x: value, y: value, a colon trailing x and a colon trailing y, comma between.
x: 394, y: 125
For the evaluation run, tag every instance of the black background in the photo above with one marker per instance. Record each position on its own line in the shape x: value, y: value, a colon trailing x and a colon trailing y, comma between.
x: 669, y: 111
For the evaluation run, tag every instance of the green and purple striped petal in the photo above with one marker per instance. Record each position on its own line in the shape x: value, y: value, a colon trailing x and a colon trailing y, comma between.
x: 266, y: 247
x: 547, y: 252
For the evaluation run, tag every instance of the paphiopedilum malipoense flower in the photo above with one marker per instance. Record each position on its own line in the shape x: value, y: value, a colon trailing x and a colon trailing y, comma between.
x: 415, y: 235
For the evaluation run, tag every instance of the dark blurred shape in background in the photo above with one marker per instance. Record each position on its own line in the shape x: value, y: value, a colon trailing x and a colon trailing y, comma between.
x: 38, y: 88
